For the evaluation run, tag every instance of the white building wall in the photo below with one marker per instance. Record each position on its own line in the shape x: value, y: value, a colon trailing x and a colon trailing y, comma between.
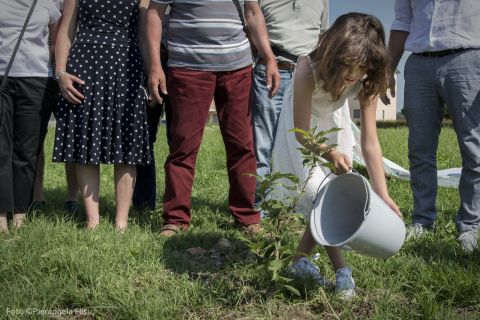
x: 384, y: 112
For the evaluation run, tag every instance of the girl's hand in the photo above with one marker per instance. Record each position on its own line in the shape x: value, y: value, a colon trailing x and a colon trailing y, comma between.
x: 67, y: 89
x: 341, y: 161
x: 392, y: 205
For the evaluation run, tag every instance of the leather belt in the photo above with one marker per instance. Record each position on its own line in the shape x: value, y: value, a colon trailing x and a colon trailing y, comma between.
x: 283, y: 65
x: 441, y: 53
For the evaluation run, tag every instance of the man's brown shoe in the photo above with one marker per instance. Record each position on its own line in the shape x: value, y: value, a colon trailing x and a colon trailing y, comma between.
x: 253, y: 229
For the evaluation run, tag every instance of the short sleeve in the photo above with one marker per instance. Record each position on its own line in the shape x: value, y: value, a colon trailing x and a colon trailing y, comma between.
x: 55, y: 13
x: 325, y: 16
x: 403, y: 15
x: 59, y: 4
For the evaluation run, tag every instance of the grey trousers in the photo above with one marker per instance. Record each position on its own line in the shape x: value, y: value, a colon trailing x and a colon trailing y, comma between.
x: 431, y: 83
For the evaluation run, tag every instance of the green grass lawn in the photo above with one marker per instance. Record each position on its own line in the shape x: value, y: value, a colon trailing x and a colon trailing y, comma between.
x: 52, y: 264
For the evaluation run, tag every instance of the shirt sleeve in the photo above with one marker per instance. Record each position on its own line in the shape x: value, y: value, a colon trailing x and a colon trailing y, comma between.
x: 55, y: 13
x: 59, y: 4
x: 403, y: 15
x: 325, y: 16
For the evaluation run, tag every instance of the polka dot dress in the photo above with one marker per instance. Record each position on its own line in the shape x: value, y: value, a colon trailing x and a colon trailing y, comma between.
x: 110, y: 125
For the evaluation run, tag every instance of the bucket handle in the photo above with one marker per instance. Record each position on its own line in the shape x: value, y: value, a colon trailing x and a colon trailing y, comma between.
x: 366, y: 209
x: 320, y: 186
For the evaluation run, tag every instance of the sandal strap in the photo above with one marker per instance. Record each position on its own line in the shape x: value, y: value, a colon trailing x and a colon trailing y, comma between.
x: 172, y: 227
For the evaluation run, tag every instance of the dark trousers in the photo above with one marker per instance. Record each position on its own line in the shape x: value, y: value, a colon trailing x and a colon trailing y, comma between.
x: 24, y: 103
x: 191, y: 92
x: 145, y: 192
x: 51, y: 108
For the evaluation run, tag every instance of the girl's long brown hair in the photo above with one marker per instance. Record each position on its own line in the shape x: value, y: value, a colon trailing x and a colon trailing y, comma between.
x: 353, y: 39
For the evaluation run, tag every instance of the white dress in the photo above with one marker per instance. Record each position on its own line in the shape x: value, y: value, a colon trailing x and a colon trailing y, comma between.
x: 326, y: 114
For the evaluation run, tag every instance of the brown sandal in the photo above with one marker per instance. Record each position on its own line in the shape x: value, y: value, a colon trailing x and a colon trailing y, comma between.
x: 170, y: 229
x: 19, y: 219
x: 253, y: 229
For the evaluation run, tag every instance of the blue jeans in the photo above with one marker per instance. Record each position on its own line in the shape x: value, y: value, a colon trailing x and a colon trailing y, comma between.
x: 431, y: 83
x: 266, y: 112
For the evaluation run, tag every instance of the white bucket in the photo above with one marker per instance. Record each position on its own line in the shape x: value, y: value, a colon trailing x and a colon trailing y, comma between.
x: 348, y: 214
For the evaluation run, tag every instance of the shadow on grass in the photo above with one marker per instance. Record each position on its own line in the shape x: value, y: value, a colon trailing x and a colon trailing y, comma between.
x: 152, y: 219
x: 199, y: 203
x: 211, y: 258
x: 54, y: 208
x: 147, y: 219
x: 441, y: 251
x: 233, y: 277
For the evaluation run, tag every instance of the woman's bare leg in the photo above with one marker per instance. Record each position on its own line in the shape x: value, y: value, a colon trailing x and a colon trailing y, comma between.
x: 125, y: 176
x: 88, y: 177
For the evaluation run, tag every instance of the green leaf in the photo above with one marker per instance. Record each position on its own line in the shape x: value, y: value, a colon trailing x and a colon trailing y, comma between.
x: 325, y: 132
x: 275, y: 276
x: 284, y: 279
x: 297, y: 216
x: 330, y: 166
x: 275, y: 265
x: 267, y: 251
x: 292, y: 290
x: 305, y: 152
x: 252, y: 175
x: 298, y: 130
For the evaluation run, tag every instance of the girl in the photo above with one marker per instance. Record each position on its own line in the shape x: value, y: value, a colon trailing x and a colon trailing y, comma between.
x: 349, y: 61
x: 101, y: 117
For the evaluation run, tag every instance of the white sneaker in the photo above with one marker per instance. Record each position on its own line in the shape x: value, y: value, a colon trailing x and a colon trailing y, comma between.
x: 468, y: 241
x: 344, y: 285
x: 415, y: 231
x: 305, y: 270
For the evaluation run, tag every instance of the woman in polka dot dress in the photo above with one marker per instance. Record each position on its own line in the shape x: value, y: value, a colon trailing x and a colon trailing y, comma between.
x: 101, y: 116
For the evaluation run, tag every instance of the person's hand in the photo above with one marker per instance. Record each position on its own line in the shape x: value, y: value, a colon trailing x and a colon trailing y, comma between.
x: 341, y: 161
x: 273, y: 77
x: 391, y: 85
x: 69, y: 92
x: 389, y: 201
x: 148, y: 97
x: 150, y: 102
x: 157, y: 84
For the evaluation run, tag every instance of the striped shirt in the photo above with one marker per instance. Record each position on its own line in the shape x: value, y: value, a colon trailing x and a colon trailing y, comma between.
x: 207, y: 35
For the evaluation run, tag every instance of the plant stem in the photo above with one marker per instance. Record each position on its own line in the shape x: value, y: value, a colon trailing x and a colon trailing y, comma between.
x: 334, y: 314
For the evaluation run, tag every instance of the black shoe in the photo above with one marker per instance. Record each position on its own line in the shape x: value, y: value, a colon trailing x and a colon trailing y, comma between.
x: 38, y: 205
x: 71, y: 206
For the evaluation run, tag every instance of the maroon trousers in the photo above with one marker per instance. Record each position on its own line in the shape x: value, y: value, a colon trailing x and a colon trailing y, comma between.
x: 191, y: 92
